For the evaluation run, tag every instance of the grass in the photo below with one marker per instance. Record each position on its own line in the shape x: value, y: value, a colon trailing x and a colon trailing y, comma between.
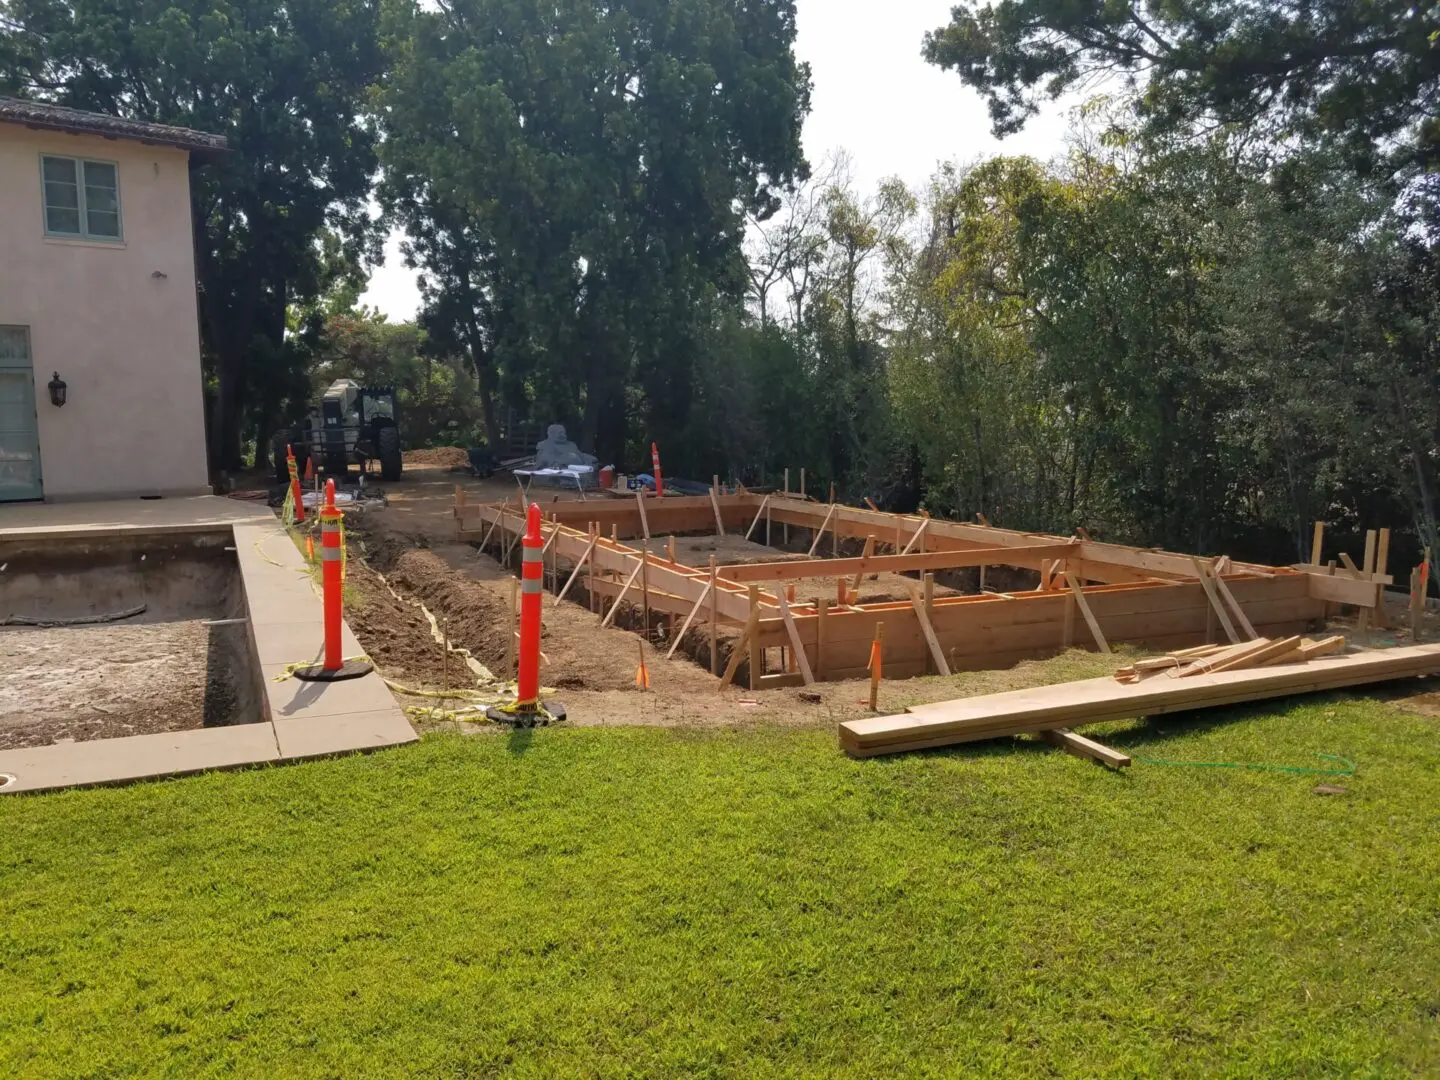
x: 630, y: 902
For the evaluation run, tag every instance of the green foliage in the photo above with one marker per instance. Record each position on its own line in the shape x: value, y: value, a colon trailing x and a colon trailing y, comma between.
x: 576, y: 179
x: 1362, y: 77
x: 286, y: 84
x: 668, y: 904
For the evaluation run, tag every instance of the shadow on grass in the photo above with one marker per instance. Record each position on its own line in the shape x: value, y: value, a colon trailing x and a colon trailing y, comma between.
x: 520, y: 740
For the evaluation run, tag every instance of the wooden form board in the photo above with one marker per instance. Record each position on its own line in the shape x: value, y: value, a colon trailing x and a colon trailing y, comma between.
x: 972, y: 632
x: 1069, y: 705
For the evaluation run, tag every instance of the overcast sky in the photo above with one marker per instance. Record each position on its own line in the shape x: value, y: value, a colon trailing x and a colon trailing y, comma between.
x: 873, y: 96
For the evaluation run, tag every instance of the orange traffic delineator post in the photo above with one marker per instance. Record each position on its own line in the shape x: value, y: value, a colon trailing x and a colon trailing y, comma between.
x: 294, y: 483
x: 527, y: 709
x: 334, y: 667
x: 655, y: 464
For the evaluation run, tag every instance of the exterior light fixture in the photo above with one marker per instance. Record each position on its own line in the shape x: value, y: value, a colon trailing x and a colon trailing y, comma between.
x: 57, y: 390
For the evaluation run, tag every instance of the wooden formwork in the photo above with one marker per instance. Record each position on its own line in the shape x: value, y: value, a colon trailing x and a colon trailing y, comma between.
x: 1088, y: 594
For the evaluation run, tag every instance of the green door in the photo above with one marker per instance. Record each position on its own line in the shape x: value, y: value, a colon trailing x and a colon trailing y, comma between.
x: 19, y: 435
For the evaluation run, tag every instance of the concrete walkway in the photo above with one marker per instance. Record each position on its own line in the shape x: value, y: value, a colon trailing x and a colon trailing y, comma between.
x: 302, y: 720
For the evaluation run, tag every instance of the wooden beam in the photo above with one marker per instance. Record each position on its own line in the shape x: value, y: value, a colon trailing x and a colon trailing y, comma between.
x: 928, y: 630
x: 914, y: 538
x: 1382, y: 566
x: 1214, y: 598
x: 1229, y: 598
x: 820, y: 532
x: 688, y: 619
x: 1317, y: 543
x: 764, y: 505
x: 719, y: 521
x: 1084, y: 606
x: 796, y: 570
x: 714, y: 620
x: 589, y: 551
x: 738, y: 650
x: 822, y: 616
x: 866, y: 554
x: 1363, y: 621
x: 610, y: 615
x: 794, y: 634
x: 644, y: 520
x: 1082, y: 747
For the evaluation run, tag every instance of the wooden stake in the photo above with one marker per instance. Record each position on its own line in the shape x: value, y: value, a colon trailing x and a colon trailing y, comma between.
x: 929, y: 631
x: 645, y: 591
x: 869, y: 550
x: 584, y: 559
x: 1417, y: 604
x: 704, y: 595
x: 764, y: 511
x: 445, y: 650
x: 877, y: 665
x: 1067, y: 636
x: 644, y: 520
x: 1382, y: 567
x: 486, y: 539
x: 915, y: 539
x: 513, y: 628
x: 590, y: 570
x: 1363, y: 621
x: 670, y: 548
x: 1214, y: 598
x: 1082, y: 747
x: 610, y: 616
x: 821, y: 531
x: 1317, y: 543
x: 714, y: 619
x: 719, y: 521
x: 752, y: 626
x: 794, y: 634
x: 757, y: 654
x: 1084, y: 606
x: 822, y: 609
x: 786, y: 533
x: 1229, y: 597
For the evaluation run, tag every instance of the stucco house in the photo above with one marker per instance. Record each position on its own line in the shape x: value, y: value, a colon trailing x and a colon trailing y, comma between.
x: 97, y: 291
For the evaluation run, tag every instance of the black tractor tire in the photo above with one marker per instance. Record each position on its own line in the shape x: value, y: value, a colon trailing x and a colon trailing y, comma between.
x: 387, y: 446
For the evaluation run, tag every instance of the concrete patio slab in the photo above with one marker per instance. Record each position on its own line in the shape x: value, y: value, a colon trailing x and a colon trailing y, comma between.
x: 19, y: 521
x: 285, y: 612
x: 348, y: 733
x: 136, y: 757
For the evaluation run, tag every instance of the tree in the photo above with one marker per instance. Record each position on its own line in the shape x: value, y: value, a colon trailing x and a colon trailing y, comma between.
x: 1362, y: 76
x: 598, y: 162
x: 286, y: 83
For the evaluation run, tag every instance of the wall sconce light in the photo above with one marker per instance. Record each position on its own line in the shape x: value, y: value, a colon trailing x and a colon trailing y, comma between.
x: 57, y: 391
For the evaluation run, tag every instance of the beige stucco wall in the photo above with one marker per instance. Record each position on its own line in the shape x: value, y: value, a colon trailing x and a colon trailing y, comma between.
x: 117, y: 321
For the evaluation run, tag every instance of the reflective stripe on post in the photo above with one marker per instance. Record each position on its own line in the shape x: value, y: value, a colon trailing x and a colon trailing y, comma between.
x: 330, y: 557
x: 532, y: 568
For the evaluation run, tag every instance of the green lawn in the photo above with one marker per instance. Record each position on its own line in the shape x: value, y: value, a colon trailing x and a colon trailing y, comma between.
x: 650, y: 903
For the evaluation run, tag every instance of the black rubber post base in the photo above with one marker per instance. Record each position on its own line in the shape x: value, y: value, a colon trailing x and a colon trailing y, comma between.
x: 527, y: 718
x: 350, y: 669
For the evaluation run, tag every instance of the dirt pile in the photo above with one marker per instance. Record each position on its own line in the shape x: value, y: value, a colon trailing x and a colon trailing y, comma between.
x: 449, y: 457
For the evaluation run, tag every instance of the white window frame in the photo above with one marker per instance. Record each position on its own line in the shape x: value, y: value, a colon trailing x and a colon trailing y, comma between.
x: 84, y: 233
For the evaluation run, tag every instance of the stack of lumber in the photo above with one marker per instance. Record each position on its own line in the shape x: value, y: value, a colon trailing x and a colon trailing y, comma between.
x: 1205, y: 659
x: 1069, y: 705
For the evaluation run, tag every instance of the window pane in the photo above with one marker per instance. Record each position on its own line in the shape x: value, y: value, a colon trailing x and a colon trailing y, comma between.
x: 62, y: 196
x: 102, y: 200
x: 103, y: 223
x: 60, y: 169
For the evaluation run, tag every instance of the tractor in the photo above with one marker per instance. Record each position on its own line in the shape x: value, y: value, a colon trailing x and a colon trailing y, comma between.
x: 352, y: 425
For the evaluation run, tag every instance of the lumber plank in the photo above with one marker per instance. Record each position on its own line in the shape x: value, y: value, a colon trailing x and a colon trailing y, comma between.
x: 688, y: 620
x: 1075, y: 704
x: 1214, y: 598
x: 799, y: 649
x: 719, y: 518
x: 589, y: 551
x: 644, y: 519
x: 764, y: 505
x: 820, y: 532
x: 1317, y: 543
x: 738, y: 650
x: 1084, y: 606
x: 1082, y: 747
x: 930, y: 639
x: 798, y: 569
x: 610, y: 615
x: 1229, y: 597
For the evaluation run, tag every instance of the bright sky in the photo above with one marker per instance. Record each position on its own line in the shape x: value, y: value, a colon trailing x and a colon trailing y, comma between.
x: 873, y: 95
